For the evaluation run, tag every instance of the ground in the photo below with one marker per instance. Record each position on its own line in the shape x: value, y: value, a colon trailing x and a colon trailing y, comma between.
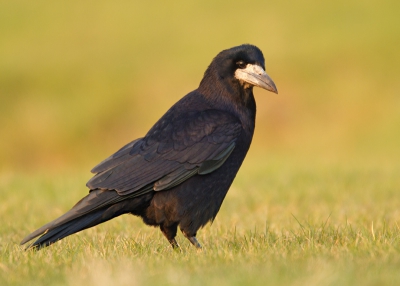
x: 293, y: 225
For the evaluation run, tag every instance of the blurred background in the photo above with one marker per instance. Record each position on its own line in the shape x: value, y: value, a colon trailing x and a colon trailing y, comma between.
x: 79, y: 79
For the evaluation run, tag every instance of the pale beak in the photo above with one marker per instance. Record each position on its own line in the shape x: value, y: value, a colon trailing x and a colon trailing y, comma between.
x: 256, y: 76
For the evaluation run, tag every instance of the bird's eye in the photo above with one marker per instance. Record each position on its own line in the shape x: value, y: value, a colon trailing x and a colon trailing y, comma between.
x: 241, y: 64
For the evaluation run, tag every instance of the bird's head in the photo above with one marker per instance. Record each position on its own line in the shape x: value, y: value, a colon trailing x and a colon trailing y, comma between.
x: 242, y: 66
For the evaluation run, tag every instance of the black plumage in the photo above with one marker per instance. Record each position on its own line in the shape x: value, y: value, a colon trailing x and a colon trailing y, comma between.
x: 179, y: 173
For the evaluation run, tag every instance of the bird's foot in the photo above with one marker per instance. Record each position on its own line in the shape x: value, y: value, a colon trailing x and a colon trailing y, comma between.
x: 194, y: 241
x: 174, y: 244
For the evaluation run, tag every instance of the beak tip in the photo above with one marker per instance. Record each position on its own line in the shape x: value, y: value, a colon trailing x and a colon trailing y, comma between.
x: 273, y: 88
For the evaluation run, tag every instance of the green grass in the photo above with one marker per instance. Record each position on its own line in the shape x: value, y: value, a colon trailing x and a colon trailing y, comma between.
x: 317, y: 199
x: 287, y: 225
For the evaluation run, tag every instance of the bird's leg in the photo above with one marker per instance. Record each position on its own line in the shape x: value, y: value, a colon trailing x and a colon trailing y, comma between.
x: 170, y: 233
x: 192, y: 239
x: 174, y: 244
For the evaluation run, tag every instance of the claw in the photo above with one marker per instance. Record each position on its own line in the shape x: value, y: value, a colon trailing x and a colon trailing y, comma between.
x: 174, y: 244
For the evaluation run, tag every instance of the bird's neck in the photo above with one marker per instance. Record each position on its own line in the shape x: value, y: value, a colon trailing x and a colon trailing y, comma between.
x: 229, y: 95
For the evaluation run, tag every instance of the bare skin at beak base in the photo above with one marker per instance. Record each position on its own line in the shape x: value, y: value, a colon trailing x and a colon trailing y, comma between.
x: 256, y: 76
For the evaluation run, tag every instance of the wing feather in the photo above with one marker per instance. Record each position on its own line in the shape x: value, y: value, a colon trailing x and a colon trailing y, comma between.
x: 174, y: 150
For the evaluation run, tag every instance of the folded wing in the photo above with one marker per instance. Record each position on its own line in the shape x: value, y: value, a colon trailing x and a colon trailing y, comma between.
x: 172, y: 151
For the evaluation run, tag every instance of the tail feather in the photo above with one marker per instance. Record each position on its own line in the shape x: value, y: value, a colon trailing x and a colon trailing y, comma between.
x: 66, y: 229
x: 97, y: 207
x: 94, y: 200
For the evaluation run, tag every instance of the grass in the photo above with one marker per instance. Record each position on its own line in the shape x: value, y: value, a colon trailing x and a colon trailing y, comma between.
x: 320, y: 225
x: 317, y: 199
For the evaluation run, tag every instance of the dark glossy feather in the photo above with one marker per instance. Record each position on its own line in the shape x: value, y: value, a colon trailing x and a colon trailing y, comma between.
x: 173, y: 149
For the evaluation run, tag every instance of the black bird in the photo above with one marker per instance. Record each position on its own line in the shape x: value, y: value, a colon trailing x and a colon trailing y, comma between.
x: 179, y: 173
